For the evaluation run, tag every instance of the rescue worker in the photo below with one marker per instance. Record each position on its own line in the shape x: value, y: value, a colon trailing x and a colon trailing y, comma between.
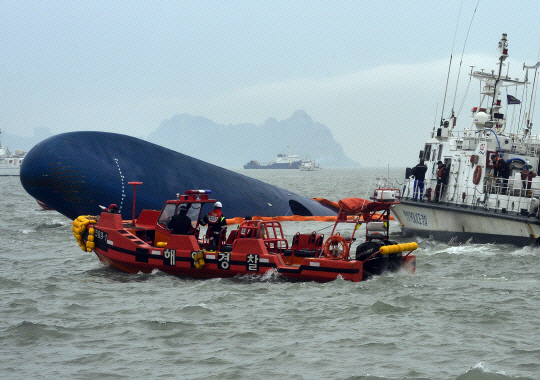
x: 180, y: 224
x: 113, y: 209
x: 216, y: 222
x: 442, y: 180
x: 501, y: 170
x: 419, y: 172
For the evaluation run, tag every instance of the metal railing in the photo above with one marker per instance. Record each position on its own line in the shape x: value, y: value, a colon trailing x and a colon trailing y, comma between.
x: 512, y: 195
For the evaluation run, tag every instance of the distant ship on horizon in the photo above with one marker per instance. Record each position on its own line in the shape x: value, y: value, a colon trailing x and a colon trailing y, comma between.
x: 10, y: 163
x: 283, y: 161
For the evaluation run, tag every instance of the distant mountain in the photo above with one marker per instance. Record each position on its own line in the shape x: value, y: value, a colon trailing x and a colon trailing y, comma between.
x: 235, y: 145
x: 14, y: 142
x: 231, y: 145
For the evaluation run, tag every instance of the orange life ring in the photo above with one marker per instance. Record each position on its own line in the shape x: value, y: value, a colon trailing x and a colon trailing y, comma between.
x: 336, y: 247
x: 477, y: 174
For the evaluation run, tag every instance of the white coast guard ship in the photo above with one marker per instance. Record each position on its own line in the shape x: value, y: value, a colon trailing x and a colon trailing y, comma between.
x: 476, y: 205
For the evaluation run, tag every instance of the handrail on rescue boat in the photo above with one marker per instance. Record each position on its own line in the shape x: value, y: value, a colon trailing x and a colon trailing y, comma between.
x: 383, y: 198
x: 135, y: 184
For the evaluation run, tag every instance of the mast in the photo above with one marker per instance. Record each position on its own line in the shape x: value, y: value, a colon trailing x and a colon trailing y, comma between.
x: 503, y: 50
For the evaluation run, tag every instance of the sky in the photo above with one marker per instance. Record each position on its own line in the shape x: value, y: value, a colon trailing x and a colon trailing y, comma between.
x: 374, y: 72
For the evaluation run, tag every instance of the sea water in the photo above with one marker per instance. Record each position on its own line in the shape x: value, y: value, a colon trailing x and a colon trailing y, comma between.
x: 470, y: 311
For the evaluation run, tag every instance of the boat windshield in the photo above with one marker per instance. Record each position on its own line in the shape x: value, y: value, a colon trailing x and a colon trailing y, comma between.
x: 166, y: 213
x: 194, y: 211
x: 170, y: 209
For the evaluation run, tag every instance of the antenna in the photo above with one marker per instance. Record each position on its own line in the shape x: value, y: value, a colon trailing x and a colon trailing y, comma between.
x: 462, y: 54
x: 450, y: 64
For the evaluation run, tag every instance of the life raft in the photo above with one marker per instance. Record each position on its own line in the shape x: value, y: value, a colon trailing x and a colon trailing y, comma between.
x: 477, y: 174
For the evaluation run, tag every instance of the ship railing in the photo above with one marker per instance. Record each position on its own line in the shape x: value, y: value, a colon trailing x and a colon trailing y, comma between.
x: 506, y: 195
x: 512, y: 195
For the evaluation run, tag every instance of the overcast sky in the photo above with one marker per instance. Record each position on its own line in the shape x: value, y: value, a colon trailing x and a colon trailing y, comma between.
x: 374, y: 72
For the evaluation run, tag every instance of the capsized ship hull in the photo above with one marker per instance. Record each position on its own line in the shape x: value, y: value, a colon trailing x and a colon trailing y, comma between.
x: 76, y: 172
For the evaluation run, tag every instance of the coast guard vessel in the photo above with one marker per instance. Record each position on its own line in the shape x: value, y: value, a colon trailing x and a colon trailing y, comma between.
x: 475, y: 204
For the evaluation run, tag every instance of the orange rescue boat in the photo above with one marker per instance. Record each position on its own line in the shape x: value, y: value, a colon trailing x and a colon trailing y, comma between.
x: 145, y: 244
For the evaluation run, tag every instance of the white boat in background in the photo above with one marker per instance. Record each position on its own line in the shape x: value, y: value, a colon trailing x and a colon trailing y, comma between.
x: 309, y: 165
x: 10, y: 163
x: 476, y: 205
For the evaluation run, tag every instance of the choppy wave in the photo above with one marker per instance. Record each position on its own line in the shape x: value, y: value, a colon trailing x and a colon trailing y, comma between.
x: 469, y: 312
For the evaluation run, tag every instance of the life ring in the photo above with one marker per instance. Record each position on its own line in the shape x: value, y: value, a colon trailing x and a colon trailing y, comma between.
x: 336, y: 247
x: 477, y: 174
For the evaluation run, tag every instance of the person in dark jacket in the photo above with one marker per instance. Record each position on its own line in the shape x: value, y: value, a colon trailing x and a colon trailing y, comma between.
x: 180, y: 224
x: 419, y: 172
x: 501, y: 170
x: 442, y: 180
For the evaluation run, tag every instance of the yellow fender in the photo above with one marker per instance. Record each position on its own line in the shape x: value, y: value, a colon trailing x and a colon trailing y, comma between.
x: 395, y: 248
x: 79, y: 226
x: 198, y: 260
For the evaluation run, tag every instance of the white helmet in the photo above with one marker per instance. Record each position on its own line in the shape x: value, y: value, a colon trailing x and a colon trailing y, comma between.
x: 217, y: 205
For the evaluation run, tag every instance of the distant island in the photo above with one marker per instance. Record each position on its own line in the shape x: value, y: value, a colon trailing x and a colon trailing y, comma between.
x: 14, y: 142
x: 235, y: 145
x: 232, y: 146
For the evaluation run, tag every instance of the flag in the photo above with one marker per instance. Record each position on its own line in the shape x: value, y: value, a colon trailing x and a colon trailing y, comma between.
x: 512, y: 100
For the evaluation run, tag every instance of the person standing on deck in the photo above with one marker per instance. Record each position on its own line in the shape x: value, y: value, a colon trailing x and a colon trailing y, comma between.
x: 419, y: 172
x: 442, y: 180
x: 501, y: 170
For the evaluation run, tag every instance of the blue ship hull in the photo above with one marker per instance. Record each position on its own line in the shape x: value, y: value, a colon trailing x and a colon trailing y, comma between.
x: 74, y: 173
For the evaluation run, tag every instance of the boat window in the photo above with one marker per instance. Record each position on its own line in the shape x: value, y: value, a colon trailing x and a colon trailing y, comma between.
x: 434, y: 154
x: 193, y: 211
x: 166, y: 213
x: 448, y: 162
x: 427, y: 151
x: 440, y: 153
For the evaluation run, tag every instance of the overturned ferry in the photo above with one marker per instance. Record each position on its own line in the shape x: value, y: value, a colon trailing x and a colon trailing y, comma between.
x: 75, y: 173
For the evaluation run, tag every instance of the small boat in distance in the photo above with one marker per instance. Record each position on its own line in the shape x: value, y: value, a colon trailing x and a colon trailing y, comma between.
x: 254, y: 248
x: 309, y: 165
x: 10, y: 164
x: 283, y: 161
